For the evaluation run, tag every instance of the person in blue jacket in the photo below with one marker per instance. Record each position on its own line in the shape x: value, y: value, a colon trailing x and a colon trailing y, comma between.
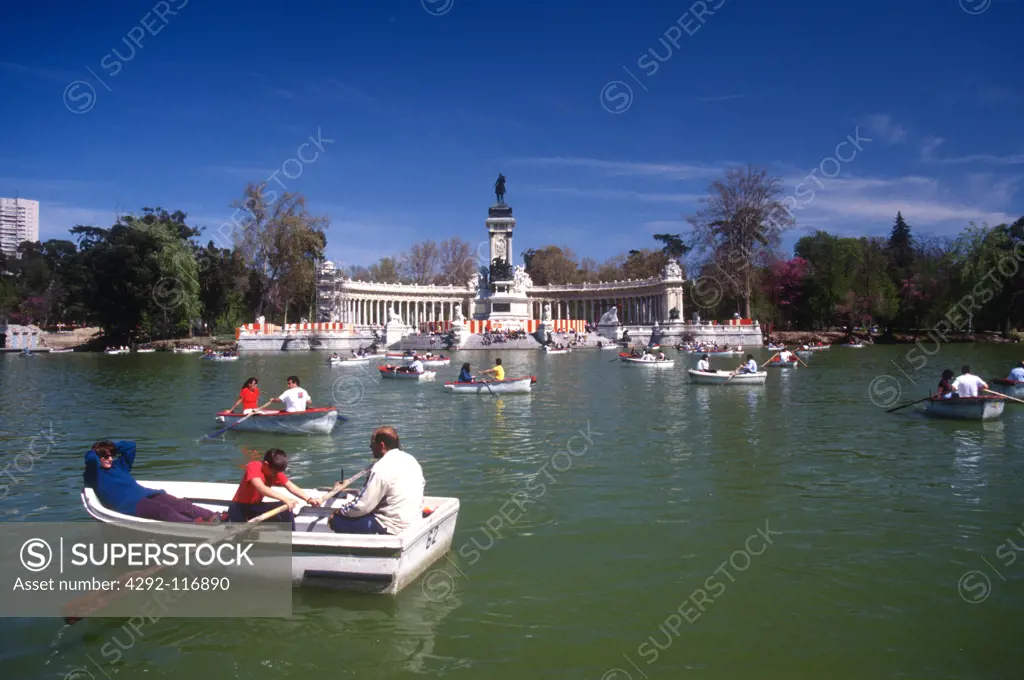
x: 465, y: 375
x: 108, y: 472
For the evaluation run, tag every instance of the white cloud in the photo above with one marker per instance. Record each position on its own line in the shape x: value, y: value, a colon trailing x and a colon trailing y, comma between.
x: 882, y: 125
x: 670, y: 171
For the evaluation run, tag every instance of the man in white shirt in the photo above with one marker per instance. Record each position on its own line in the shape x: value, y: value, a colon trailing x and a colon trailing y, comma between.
x: 704, y: 364
x: 750, y: 366
x: 416, y: 366
x: 1017, y: 373
x: 785, y: 356
x: 967, y: 384
x: 294, y: 398
x: 392, y: 500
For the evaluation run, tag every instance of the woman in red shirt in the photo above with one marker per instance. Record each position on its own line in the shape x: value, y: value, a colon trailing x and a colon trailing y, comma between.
x: 249, y: 397
x: 256, y: 484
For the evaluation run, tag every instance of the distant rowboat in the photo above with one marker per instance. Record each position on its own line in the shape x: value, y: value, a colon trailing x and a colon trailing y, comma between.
x: 966, y: 408
x: 550, y: 350
x: 403, y: 373
x: 781, y: 364
x: 1012, y: 388
x: 648, y: 363
x: 727, y: 377
x: 506, y: 386
x: 310, y: 421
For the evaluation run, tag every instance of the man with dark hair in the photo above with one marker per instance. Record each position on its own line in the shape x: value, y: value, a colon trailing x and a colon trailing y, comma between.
x: 498, y: 371
x: 392, y: 499
x: 294, y: 398
x: 967, y: 384
x: 257, y: 483
x: 108, y: 472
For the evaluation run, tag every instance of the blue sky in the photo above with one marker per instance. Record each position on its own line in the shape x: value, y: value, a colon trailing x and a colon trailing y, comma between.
x: 428, y: 100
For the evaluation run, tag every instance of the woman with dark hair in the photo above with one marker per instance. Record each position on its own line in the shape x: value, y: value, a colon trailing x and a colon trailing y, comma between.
x: 249, y: 397
x: 465, y: 375
x: 108, y: 472
x: 946, y: 385
x: 256, y: 484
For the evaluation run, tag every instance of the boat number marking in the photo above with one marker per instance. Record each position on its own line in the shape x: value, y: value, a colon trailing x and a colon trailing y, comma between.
x: 432, y: 537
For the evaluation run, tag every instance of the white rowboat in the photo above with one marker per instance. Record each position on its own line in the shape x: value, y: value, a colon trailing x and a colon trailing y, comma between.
x: 393, y: 373
x: 378, y: 563
x: 429, y: 362
x: 506, y: 386
x: 966, y: 408
x: 723, y: 377
x: 854, y: 346
x: 649, y: 363
x: 146, y: 351
x: 217, y: 357
x: 549, y: 350
x: 781, y: 364
x: 310, y: 421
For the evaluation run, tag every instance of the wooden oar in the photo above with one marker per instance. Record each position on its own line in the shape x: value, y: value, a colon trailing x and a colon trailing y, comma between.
x: 800, y: 360
x: 1004, y: 396
x: 893, y: 410
x: 92, y: 603
x: 240, y: 420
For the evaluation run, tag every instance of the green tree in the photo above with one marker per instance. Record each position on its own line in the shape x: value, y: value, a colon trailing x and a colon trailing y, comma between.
x: 279, y: 242
x: 740, y: 226
x: 551, y: 265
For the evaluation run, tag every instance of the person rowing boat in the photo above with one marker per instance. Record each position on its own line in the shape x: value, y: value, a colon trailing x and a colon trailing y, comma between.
x: 1017, y: 374
x: 257, y: 482
x: 392, y: 499
x: 108, y: 472
x: 967, y: 384
x: 415, y: 367
x: 498, y: 371
x: 786, y: 357
x: 749, y: 366
x: 248, y: 397
x: 294, y: 398
x: 704, y: 365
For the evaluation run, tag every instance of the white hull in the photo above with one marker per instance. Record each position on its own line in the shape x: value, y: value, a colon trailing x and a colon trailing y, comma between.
x: 145, y: 351
x: 556, y: 351
x: 853, y: 346
x: 178, y: 350
x: 508, y: 386
x: 61, y: 351
x: 217, y: 359
x: 723, y: 378
x: 404, y: 375
x: 428, y: 363
x: 664, y: 363
x: 737, y: 353
x: 312, y: 421
x: 971, y: 408
x: 381, y: 564
x: 115, y: 351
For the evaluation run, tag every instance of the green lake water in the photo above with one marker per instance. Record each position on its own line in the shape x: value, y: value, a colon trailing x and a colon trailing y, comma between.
x: 793, y: 530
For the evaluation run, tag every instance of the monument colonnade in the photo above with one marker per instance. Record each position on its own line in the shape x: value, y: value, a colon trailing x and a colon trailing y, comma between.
x: 362, y: 303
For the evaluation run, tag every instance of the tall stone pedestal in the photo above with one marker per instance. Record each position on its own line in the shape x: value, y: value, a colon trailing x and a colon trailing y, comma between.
x: 395, y: 331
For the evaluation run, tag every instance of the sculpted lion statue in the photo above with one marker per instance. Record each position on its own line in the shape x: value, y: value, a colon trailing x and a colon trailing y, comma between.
x: 610, y: 318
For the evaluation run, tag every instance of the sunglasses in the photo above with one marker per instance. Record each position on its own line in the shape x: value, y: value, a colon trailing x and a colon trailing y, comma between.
x: 105, y: 455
